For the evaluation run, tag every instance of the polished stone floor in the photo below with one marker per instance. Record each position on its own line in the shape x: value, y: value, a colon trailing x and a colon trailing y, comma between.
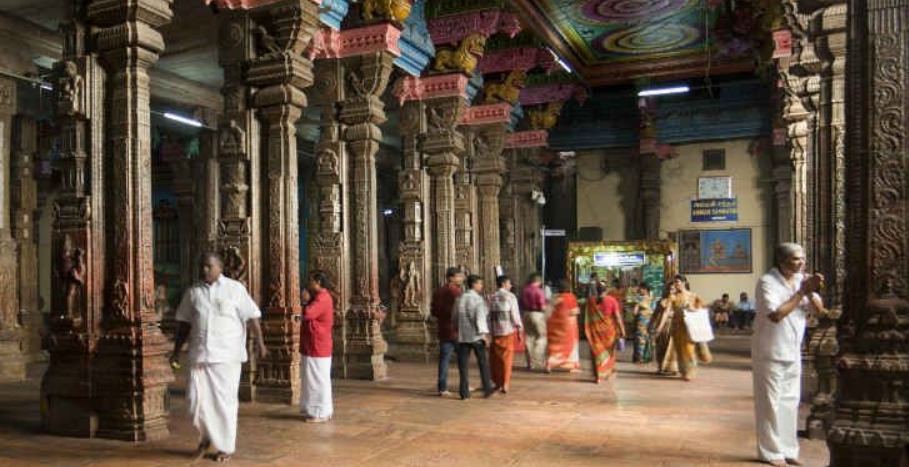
x: 559, y: 420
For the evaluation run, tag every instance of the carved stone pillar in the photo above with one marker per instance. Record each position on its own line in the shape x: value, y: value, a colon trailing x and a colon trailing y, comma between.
x: 130, y: 371
x: 526, y: 180
x: 206, y: 168
x: 465, y: 209
x: 650, y: 183
x: 872, y: 405
x: 489, y: 167
x: 782, y: 190
x: 487, y: 143
x: 444, y: 145
x: 281, y: 71
x: 413, y: 340
x: 828, y: 216
x: 236, y: 171
x: 78, y: 257
x: 508, y: 220
x: 24, y: 205
x: 362, y: 111
x: 331, y: 245
x: 12, y: 363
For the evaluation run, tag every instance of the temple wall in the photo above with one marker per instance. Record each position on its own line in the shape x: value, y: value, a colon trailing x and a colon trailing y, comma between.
x: 607, y: 200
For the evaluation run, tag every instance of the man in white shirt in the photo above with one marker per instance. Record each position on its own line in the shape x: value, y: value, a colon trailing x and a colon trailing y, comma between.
x: 470, y: 315
x: 505, y: 319
x: 783, y: 297
x: 213, y: 315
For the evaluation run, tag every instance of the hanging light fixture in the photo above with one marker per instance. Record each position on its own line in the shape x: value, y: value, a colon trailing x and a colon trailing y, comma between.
x: 664, y: 91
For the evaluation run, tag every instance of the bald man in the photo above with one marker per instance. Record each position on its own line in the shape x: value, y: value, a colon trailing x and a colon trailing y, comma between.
x: 213, y: 315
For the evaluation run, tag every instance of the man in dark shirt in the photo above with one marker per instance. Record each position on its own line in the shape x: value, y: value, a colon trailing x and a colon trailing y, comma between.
x: 442, y: 306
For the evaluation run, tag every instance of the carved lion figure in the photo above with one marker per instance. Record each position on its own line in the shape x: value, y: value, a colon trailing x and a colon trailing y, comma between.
x: 508, y: 90
x: 395, y: 10
x: 465, y: 58
x: 546, y: 117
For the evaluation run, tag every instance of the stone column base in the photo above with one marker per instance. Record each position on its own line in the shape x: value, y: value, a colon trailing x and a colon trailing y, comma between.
x: 12, y: 361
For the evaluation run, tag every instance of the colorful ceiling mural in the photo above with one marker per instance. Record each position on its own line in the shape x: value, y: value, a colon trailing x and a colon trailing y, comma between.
x: 615, y: 41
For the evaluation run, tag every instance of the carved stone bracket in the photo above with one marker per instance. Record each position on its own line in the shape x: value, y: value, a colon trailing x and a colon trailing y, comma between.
x: 527, y: 139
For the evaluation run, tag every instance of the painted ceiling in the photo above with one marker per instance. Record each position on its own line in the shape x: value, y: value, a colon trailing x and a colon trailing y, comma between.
x: 616, y: 41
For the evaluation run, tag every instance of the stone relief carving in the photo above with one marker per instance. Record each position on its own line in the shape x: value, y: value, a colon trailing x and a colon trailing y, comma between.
x: 411, y: 283
x: 266, y: 44
x: 71, y: 88
x: 465, y: 58
x: 235, y: 264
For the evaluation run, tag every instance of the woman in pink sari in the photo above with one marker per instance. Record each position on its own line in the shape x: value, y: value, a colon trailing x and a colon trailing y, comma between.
x: 562, y: 331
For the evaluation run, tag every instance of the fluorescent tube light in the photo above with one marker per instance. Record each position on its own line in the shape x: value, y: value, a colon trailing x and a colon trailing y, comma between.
x: 562, y: 63
x: 663, y: 91
x: 182, y: 119
x: 47, y: 87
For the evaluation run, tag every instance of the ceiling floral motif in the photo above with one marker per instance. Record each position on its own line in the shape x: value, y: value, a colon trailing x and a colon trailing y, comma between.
x: 620, y: 40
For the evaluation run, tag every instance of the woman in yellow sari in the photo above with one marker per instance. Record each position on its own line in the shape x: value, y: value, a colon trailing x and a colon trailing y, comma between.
x: 687, y: 353
x: 661, y: 332
x: 562, y: 338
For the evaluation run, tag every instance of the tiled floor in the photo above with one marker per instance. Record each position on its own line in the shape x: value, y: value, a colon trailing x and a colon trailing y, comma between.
x: 547, y: 420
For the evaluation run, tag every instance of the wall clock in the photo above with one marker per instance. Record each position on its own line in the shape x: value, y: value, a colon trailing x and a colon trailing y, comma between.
x: 714, y: 187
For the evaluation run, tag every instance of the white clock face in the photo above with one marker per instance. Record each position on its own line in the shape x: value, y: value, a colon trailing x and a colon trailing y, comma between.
x: 714, y: 187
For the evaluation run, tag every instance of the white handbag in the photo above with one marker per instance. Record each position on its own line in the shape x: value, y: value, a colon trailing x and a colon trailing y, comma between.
x: 698, y: 323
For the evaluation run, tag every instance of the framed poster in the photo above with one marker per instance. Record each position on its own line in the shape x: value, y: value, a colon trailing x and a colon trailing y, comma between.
x: 715, y: 251
x: 714, y: 187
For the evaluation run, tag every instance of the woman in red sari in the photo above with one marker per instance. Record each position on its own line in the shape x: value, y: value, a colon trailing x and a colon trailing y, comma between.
x: 603, y: 327
x: 562, y: 331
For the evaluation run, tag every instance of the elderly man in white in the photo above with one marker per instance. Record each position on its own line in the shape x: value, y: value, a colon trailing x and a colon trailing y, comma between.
x: 783, y: 298
x: 213, y: 315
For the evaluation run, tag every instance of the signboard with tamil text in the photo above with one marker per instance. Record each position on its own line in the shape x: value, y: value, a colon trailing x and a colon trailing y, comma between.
x: 618, y: 258
x: 714, y: 210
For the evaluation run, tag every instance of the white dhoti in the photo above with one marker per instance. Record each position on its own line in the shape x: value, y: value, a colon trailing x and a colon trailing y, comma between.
x: 213, y: 403
x: 777, y: 390
x: 535, y: 333
x: 315, y: 379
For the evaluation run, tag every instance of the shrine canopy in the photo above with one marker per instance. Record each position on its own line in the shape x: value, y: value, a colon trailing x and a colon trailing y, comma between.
x: 633, y: 262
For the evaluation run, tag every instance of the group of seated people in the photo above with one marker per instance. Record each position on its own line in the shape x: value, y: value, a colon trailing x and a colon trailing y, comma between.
x: 729, y: 315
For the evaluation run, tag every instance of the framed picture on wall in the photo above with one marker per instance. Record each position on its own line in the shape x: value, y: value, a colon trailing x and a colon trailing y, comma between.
x: 715, y: 251
x: 714, y: 187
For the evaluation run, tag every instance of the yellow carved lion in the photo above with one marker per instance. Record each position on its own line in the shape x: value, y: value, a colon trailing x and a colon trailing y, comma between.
x: 546, y: 117
x: 395, y: 10
x: 465, y: 58
x: 508, y: 90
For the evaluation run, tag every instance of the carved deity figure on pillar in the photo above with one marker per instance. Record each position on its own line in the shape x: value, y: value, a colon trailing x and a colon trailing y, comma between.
x: 72, y: 275
x: 410, y: 281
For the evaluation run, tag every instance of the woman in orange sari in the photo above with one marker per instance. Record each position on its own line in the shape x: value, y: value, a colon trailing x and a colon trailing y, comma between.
x: 562, y: 331
x: 604, y: 327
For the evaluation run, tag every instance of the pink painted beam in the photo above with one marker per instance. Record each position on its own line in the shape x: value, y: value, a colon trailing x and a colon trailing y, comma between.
x: 487, y: 114
x: 536, y: 95
x: 527, y: 139
x: 246, y: 4
x: 329, y: 43
x: 519, y: 58
x: 453, y: 29
x: 411, y: 88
